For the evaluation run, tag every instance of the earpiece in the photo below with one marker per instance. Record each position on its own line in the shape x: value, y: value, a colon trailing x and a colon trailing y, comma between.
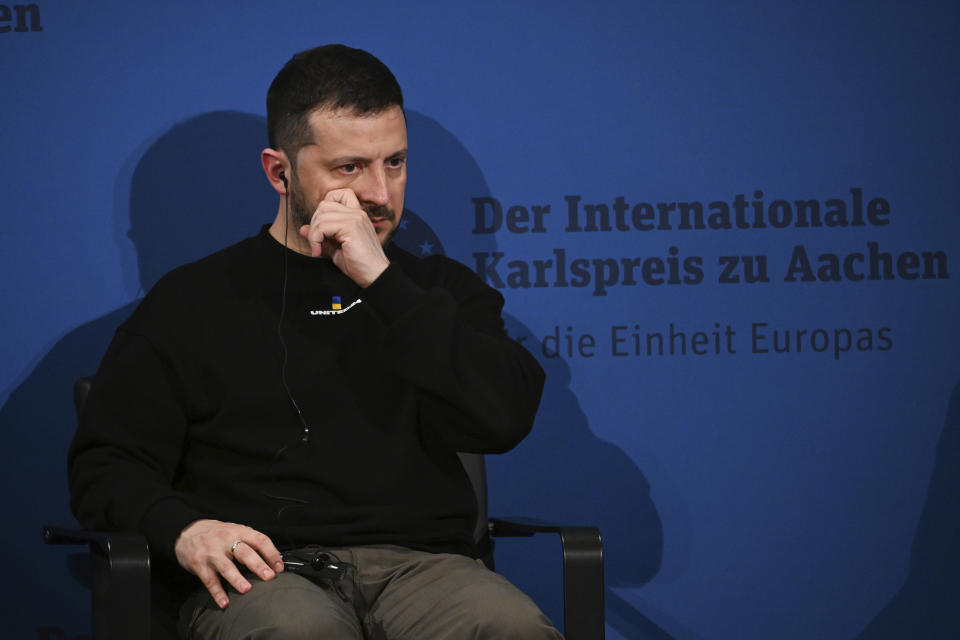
x: 283, y: 309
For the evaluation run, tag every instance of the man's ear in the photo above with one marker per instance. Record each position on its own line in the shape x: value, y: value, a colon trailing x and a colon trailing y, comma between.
x: 276, y: 168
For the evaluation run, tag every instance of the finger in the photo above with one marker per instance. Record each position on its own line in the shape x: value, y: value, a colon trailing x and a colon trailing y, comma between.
x: 324, y: 236
x: 265, y: 547
x: 211, y: 581
x: 316, y: 242
x: 248, y: 556
x: 320, y: 243
x: 345, y: 197
x: 226, y: 568
x: 339, y: 225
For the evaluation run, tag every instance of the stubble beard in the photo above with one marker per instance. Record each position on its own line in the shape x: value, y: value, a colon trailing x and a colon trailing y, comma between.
x: 299, y: 214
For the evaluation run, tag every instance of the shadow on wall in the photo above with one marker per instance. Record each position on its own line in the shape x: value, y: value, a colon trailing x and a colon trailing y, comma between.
x: 926, y: 605
x: 561, y: 472
x: 198, y: 188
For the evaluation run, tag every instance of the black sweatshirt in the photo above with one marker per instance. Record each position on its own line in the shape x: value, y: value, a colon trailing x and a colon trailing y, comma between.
x: 189, y: 416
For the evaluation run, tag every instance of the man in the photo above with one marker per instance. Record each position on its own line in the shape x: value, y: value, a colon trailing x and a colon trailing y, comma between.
x: 306, y: 391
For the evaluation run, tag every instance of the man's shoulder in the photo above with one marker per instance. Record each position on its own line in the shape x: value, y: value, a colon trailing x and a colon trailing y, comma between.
x: 224, y: 270
x: 222, y: 263
x: 198, y: 285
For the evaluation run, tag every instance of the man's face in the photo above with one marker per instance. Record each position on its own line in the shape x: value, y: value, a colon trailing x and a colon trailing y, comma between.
x: 367, y: 154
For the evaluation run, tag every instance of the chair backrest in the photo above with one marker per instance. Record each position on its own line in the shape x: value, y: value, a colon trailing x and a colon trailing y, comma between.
x: 80, y: 390
x: 476, y: 468
x: 473, y: 463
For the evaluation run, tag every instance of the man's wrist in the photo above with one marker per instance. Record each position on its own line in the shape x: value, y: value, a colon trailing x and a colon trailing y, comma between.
x: 375, y: 274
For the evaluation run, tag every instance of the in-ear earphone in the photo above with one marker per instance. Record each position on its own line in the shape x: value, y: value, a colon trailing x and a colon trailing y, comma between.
x: 305, y: 437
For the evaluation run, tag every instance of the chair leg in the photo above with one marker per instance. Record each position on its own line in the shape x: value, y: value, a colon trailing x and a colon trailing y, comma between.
x: 583, y: 614
x: 120, y: 576
x: 121, y: 588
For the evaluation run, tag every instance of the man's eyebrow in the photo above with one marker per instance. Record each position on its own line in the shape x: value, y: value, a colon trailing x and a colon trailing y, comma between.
x: 362, y: 160
x: 349, y: 160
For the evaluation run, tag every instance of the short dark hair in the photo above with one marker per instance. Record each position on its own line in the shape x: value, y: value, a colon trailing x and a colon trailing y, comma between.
x: 333, y: 76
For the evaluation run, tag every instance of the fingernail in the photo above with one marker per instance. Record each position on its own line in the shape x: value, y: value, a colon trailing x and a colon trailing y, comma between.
x: 267, y: 574
x: 278, y: 567
x: 222, y: 603
x: 244, y: 587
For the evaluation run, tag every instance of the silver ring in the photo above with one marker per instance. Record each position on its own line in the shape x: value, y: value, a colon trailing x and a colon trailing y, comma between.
x: 233, y: 548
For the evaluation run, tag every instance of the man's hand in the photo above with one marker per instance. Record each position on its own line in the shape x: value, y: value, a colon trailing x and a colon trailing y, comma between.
x: 207, y: 549
x: 341, y: 230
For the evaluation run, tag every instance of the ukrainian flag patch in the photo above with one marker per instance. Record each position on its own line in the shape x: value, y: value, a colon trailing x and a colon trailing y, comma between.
x: 335, y: 303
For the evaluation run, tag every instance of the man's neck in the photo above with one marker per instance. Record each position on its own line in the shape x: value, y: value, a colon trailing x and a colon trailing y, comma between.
x: 293, y: 239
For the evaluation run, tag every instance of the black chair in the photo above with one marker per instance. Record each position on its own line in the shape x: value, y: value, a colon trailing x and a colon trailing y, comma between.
x: 120, y: 566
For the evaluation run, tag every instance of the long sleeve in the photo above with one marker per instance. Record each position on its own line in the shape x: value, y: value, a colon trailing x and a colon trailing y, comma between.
x: 480, y: 389
x: 124, y: 457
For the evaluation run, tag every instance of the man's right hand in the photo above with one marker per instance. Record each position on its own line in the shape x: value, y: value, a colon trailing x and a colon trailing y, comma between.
x: 208, y: 549
x: 341, y: 230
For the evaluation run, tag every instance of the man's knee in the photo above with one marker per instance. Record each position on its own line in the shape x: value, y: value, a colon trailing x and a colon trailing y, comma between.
x: 294, y: 623
x: 305, y: 626
x: 286, y: 608
x: 491, y: 607
x: 512, y: 616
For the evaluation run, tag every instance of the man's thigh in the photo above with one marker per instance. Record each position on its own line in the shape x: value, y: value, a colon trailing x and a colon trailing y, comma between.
x: 289, y: 607
x: 449, y: 596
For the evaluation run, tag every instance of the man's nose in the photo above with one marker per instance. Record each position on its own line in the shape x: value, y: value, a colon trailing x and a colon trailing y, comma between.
x: 372, y: 187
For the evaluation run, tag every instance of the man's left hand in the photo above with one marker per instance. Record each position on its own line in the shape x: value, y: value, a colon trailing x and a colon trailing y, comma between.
x: 341, y: 230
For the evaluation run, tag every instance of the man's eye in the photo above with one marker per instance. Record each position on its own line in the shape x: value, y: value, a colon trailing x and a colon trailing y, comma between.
x: 350, y: 167
x: 396, y: 162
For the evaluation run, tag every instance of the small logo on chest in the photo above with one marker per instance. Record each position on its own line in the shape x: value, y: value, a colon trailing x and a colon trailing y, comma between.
x: 336, y: 307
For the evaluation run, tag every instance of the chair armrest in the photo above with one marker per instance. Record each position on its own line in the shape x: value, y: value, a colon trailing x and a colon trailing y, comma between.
x: 120, y: 577
x: 582, y: 547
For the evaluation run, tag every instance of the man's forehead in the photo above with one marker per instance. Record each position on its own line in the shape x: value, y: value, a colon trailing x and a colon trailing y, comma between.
x: 349, y: 111
x: 347, y: 122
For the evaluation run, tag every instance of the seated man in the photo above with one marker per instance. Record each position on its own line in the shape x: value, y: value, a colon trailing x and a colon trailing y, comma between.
x: 306, y: 391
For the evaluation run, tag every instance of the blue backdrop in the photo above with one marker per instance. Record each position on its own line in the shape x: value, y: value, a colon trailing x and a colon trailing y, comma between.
x: 727, y: 230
